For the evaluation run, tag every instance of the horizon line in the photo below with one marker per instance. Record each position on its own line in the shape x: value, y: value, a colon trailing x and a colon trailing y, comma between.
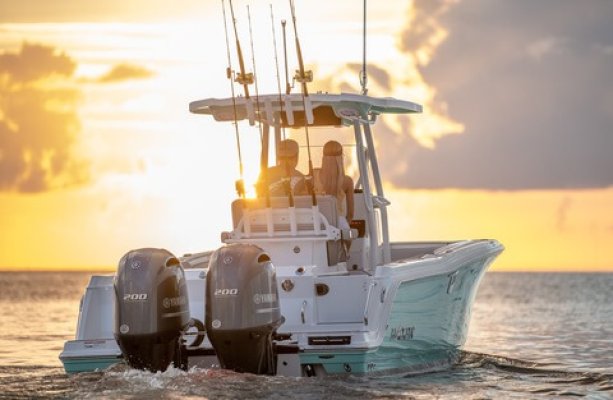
x: 106, y: 269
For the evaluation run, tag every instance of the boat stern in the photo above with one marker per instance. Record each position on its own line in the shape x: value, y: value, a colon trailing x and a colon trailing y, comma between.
x: 90, y: 355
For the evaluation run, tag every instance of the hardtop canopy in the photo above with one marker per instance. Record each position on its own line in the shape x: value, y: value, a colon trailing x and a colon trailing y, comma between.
x: 322, y: 109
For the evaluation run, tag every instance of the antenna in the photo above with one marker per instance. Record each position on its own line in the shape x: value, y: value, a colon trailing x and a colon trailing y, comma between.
x: 363, y: 73
x: 304, y: 77
x: 240, y: 186
x: 242, y: 78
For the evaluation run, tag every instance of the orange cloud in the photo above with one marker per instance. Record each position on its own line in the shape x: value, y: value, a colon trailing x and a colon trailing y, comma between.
x: 38, y: 120
x: 124, y: 72
x: 34, y: 62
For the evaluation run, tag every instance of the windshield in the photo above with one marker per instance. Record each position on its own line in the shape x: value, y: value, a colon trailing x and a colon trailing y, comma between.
x: 318, y: 136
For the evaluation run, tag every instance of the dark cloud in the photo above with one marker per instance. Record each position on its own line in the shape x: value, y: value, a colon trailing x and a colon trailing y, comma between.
x: 531, y: 83
x: 375, y: 74
x: 124, y: 72
x: 424, y: 26
x: 38, y: 122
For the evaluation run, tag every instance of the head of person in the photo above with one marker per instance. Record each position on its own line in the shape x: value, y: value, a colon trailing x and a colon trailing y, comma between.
x: 287, y: 153
x: 332, y: 168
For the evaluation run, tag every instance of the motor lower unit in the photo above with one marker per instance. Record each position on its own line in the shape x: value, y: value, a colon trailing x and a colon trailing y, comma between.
x: 151, y: 309
x: 242, y: 308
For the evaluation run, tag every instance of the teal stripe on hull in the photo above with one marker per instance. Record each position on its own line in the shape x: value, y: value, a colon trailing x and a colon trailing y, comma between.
x: 89, y: 364
x: 380, y: 361
x: 407, y: 360
x: 338, y: 363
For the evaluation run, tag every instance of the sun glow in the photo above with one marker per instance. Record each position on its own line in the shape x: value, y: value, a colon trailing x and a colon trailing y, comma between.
x: 147, y: 173
x: 541, y: 230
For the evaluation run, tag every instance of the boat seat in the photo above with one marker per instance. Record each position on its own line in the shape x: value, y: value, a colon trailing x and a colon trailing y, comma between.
x: 325, y: 203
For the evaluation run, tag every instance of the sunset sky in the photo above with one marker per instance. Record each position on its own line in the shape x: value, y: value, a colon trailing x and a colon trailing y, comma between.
x: 99, y: 154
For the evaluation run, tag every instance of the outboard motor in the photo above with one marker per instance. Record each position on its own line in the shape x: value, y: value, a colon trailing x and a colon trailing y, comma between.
x: 151, y: 309
x: 242, y: 308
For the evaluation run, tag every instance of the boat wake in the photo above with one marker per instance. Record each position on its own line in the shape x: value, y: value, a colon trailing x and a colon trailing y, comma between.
x: 535, y: 377
x: 477, y: 374
x: 480, y: 360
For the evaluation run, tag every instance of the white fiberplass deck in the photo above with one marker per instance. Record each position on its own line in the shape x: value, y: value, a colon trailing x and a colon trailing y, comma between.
x: 387, y: 306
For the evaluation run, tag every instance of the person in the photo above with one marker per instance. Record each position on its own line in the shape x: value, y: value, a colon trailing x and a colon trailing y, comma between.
x: 284, y: 175
x: 331, y: 179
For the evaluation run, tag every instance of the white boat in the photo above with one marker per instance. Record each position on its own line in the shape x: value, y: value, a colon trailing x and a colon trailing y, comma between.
x: 391, y: 305
x: 280, y: 296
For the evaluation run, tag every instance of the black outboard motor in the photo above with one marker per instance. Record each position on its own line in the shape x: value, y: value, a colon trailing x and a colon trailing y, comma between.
x: 151, y: 309
x: 242, y: 308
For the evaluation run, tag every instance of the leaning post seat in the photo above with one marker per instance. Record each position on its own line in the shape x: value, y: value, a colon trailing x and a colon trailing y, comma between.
x: 250, y: 219
x: 271, y: 227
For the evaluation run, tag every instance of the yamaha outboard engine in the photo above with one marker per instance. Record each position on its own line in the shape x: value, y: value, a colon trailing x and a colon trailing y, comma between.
x: 242, y: 308
x: 151, y: 309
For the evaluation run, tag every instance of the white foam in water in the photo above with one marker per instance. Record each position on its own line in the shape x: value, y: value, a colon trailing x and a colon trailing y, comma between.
x: 156, y: 380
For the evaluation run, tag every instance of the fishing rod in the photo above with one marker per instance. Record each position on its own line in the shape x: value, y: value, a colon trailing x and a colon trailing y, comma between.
x: 255, y: 75
x: 240, y: 186
x: 288, y: 88
x: 274, y: 42
x: 304, y: 77
x: 242, y: 77
x: 263, y: 163
x: 301, y: 76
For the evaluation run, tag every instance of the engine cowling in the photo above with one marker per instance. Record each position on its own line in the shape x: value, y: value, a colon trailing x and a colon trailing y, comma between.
x: 151, y: 308
x: 242, y: 308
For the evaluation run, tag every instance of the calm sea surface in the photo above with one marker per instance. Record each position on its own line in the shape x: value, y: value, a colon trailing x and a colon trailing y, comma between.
x: 531, y: 336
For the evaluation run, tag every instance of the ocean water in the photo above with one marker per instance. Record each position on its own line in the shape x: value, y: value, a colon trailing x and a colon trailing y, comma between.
x: 532, y: 335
